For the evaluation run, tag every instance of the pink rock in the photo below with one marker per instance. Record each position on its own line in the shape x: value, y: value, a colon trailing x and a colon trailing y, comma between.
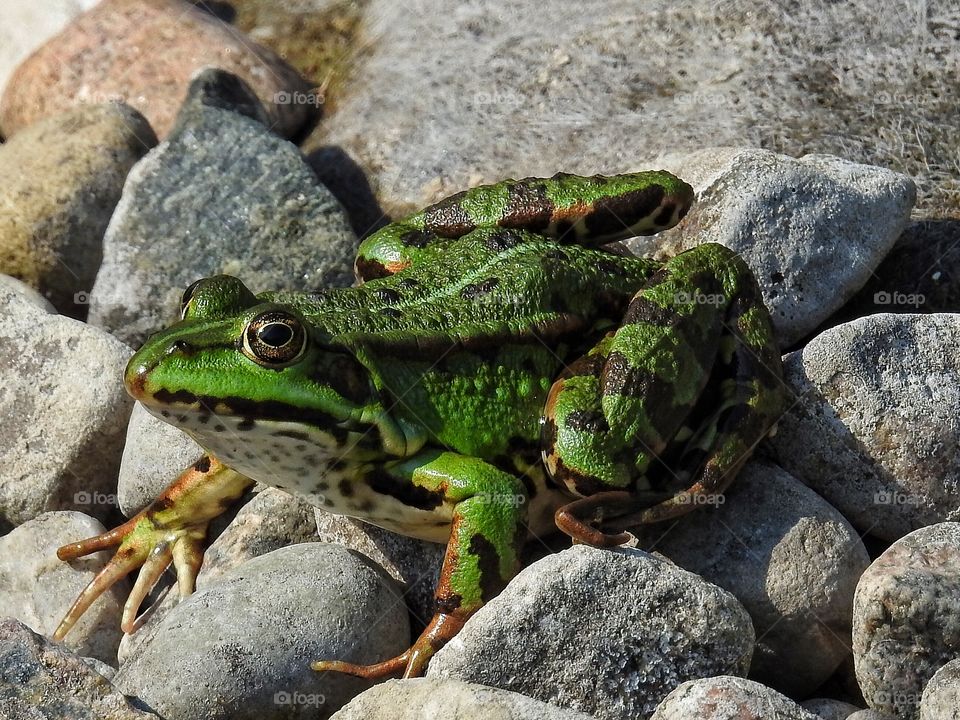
x: 144, y: 53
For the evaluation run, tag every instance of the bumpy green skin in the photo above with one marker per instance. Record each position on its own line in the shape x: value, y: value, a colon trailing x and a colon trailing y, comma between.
x: 493, y: 365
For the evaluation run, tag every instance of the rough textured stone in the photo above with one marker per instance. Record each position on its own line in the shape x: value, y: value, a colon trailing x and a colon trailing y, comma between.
x: 941, y: 696
x: 906, y: 618
x: 651, y: 627
x: 221, y: 195
x: 62, y: 413
x: 242, y: 647
x: 415, y: 564
x: 608, y: 85
x: 59, y: 183
x: 26, y: 292
x: 728, y: 698
x: 433, y: 698
x: 829, y: 709
x: 145, y: 53
x: 790, y: 558
x: 812, y: 230
x: 878, y: 420
x: 39, y: 679
x: 37, y: 588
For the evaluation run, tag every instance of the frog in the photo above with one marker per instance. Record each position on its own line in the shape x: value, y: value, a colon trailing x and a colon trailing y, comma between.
x: 500, y: 370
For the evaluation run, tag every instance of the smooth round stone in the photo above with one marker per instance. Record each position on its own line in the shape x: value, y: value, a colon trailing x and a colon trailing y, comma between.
x: 63, y: 411
x: 26, y: 292
x: 728, y: 698
x: 38, y: 588
x: 790, y: 558
x: 811, y: 229
x: 40, y: 679
x: 222, y: 194
x: 154, y: 455
x: 906, y: 618
x: 941, y: 696
x: 605, y: 632
x: 242, y: 647
x: 829, y: 709
x: 145, y: 53
x: 436, y: 698
x: 877, y: 420
x: 59, y: 183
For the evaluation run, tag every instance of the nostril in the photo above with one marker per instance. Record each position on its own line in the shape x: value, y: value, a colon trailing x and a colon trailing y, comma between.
x: 181, y: 347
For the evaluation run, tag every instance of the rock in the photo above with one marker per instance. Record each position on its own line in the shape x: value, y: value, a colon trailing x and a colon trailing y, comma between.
x: 811, y: 229
x: 221, y: 195
x: 877, y: 421
x: 871, y: 715
x: 39, y: 679
x: 790, y: 558
x: 145, y: 54
x: 434, y: 698
x: 37, y: 588
x: 608, y: 85
x: 941, y: 696
x: 415, y: 564
x: 243, y: 646
x: 25, y: 25
x: 829, y: 709
x: 59, y: 183
x: 650, y: 626
x: 63, y: 411
x: 728, y: 698
x: 26, y: 292
x: 906, y: 618
x: 154, y: 455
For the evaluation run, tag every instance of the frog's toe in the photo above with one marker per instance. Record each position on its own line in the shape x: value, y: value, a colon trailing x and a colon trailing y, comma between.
x: 377, y: 671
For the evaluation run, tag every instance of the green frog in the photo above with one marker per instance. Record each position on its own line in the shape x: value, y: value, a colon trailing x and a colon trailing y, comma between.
x: 494, y: 374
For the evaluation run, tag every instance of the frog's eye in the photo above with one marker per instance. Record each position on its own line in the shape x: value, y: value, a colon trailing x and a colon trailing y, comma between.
x: 187, y: 297
x: 274, y: 339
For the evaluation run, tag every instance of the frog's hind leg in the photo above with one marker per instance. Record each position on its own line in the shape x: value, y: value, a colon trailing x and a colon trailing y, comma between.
x: 488, y: 511
x: 696, y: 340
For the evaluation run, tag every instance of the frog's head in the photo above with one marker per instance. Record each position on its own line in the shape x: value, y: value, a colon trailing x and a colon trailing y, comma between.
x: 236, y: 363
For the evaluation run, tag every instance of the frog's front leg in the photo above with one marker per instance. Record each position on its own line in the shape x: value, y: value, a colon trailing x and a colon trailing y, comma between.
x: 488, y: 528
x: 667, y: 409
x: 171, y: 529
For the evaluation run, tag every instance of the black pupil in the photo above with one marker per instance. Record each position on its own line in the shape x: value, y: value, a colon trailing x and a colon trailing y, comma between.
x: 275, y: 334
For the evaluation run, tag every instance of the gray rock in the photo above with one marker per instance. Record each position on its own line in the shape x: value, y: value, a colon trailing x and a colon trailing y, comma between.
x: 39, y: 679
x: 728, y: 698
x: 154, y: 455
x: 434, y: 698
x: 906, y: 618
x: 605, y: 632
x: 242, y: 647
x: 37, y: 588
x: 829, y: 709
x: 415, y: 564
x: 508, y: 90
x: 221, y: 195
x: 790, y: 558
x: 877, y: 420
x: 63, y: 411
x: 60, y: 180
x: 871, y: 715
x: 8, y: 282
x: 812, y: 230
x: 941, y: 696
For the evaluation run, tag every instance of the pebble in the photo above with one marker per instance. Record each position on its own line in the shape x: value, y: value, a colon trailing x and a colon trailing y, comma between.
x: 37, y: 588
x: 877, y: 420
x: 941, y: 696
x: 60, y: 180
x: 222, y: 194
x: 829, y: 709
x: 63, y: 412
x: 435, y: 698
x: 790, y: 558
x: 145, y: 54
x: 906, y: 618
x: 40, y: 679
x: 728, y: 698
x: 605, y: 632
x: 242, y: 647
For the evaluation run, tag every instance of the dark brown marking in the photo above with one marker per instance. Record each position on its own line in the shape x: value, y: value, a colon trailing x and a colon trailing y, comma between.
x: 380, y: 481
x: 447, y: 218
x: 500, y: 240
x: 246, y: 424
x: 370, y: 269
x: 202, y: 465
x: 665, y: 215
x: 592, y: 421
x: 293, y: 435
x: 612, y: 215
x: 345, y: 487
x: 387, y: 295
x: 475, y: 290
x: 417, y: 238
x: 528, y: 207
x: 488, y: 562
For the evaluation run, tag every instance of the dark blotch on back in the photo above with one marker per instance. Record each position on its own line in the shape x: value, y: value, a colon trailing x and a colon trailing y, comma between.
x: 202, y: 465
x: 475, y: 290
x: 387, y: 295
x: 370, y: 269
x: 448, y: 218
x: 528, y: 207
x: 587, y: 421
x: 417, y: 238
x: 615, y: 213
x: 500, y: 240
